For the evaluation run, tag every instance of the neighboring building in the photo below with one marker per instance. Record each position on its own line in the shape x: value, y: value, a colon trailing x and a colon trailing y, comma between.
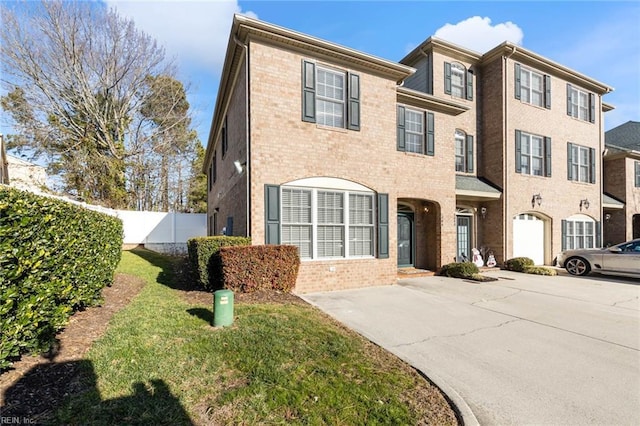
x: 621, y: 176
x: 368, y: 165
x: 26, y: 175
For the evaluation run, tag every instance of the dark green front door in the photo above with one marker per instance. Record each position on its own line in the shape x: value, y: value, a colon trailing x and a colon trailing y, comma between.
x: 405, y: 239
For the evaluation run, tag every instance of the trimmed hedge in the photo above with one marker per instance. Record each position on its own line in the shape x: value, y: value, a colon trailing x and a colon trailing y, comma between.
x: 55, y: 258
x: 518, y: 264
x: 201, y: 252
x: 252, y: 268
x: 540, y: 270
x: 459, y: 270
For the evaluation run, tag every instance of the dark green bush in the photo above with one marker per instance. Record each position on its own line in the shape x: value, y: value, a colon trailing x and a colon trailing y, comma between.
x: 517, y: 264
x: 201, y: 251
x: 459, y: 270
x: 55, y: 258
x: 251, y: 268
x: 540, y: 270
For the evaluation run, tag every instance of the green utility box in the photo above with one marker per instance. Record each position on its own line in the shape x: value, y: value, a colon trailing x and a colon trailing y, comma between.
x: 222, y: 308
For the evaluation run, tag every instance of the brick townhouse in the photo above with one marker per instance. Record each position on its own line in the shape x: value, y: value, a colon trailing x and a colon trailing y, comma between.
x: 621, y: 180
x: 369, y: 165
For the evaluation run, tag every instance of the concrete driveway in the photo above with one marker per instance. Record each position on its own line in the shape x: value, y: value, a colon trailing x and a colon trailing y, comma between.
x: 524, y: 349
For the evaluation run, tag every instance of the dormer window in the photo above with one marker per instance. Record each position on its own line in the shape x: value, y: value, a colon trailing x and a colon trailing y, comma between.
x: 458, y: 81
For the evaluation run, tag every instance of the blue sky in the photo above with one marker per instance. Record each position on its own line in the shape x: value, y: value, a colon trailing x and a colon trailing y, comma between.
x: 598, y: 39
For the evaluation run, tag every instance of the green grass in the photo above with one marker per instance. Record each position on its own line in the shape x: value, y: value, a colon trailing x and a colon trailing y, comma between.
x: 161, y: 362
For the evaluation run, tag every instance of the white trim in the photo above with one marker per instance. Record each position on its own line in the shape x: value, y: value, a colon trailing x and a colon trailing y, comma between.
x: 328, y: 183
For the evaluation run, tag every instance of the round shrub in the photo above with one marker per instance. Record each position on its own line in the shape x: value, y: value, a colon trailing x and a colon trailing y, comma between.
x: 518, y: 264
x: 459, y: 270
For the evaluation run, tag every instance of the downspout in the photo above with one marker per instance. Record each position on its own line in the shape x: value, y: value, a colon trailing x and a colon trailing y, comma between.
x: 505, y: 187
x: 247, y: 148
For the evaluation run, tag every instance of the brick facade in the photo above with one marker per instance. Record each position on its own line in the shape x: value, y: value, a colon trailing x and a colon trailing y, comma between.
x: 284, y: 148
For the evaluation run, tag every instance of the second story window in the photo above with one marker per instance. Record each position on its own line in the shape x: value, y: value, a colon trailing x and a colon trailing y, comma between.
x: 532, y: 87
x: 581, y: 163
x: 224, y: 137
x: 458, y: 81
x: 637, y: 173
x: 580, y: 104
x: 330, y: 97
x: 533, y: 154
x: 463, y: 152
x: 415, y: 131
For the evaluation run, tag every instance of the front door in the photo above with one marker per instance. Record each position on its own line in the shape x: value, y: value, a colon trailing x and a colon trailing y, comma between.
x: 405, y: 239
x: 463, y: 225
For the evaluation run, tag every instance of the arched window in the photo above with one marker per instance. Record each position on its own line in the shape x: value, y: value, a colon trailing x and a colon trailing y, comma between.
x: 457, y: 80
x: 463, y: 152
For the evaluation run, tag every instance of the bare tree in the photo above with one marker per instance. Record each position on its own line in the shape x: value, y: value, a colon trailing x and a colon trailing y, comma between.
x: 78, y: 79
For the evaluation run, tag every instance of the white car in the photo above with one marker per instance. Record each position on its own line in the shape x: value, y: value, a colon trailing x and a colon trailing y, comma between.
x: 622, y: 259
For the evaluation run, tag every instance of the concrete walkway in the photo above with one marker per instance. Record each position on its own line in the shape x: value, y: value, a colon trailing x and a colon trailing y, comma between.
x: 521, y: 350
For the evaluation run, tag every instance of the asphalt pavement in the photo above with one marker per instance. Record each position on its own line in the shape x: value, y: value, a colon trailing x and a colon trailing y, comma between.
x: 524, y: 349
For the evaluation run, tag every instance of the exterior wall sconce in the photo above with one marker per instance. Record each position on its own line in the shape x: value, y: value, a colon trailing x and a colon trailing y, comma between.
x: 483, y: 212
x: 584, y: 203
x: 536, y: 199
x: 607, y: 217
x: 425, y: 209
x: 239, y: 166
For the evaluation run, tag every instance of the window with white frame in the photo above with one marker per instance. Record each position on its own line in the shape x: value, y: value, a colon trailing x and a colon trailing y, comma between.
x: 580, y: 104
x: 296, y: 220
x: 581, y: 163
x: 330, y: 96
x: 460, y: 151
x: 327, y: 223
x: 637, y: 174
x: 532, y: 87
x: 533, y: 154
x: 414, y: 131
x: 457, y: 80
x: 579, y: 234
x: 361, y: 224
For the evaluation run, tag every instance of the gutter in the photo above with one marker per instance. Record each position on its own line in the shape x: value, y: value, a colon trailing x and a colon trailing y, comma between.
x: 245, y: 52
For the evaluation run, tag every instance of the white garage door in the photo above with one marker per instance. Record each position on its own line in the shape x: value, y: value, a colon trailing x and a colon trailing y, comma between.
x: 528, y: 238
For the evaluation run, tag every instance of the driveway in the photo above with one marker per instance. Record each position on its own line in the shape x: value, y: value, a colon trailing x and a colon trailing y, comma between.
x: 524, y: 349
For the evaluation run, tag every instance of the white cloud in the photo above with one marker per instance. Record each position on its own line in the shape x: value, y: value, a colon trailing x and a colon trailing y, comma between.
x: 195, y: 31
x: 478, y: 34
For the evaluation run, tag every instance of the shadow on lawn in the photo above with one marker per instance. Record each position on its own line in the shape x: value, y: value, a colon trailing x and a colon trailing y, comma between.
x: 66, y: 393
x: 175, y: 272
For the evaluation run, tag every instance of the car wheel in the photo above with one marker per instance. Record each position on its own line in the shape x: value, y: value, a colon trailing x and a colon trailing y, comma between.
x: 577, y: 266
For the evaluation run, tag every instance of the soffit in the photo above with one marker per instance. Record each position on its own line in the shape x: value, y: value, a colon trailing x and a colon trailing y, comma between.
x: 422, y: 100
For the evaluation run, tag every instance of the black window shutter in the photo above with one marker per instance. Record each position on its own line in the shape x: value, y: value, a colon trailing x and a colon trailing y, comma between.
x: 547, y: 92
x: 229, y: 229
x: 637, y: 173
x: 592, y: 166
x: 430, y: 135
x: 598, y: 234
x: 308, y: 91
x: 547, y: 156
x: 272, y: 214
x: 354, y: 102
x: 592, y: 108
x: 518, y: 151
x: 569, y: 161
x: 401, y: 127
x: 469, y: 154
x: 469, y: 85
x: 214, y: 167
x: 447, y: 78
x: 383, y: 226
x: 564, y: 235
x: 517, y: 88
x: 568, y: 99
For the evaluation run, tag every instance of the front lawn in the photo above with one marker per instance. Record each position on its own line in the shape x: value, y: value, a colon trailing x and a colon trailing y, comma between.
x: 161, y: 362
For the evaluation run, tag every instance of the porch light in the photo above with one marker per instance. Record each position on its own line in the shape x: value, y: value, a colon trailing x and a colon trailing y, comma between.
x: 483, y: 212
x: 239, y: 166
x: 536, y: 199
x: 607, y: 217
x: 584, y: 203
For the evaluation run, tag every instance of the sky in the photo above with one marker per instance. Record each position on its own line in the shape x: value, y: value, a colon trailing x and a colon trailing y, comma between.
x: 600, y: 39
